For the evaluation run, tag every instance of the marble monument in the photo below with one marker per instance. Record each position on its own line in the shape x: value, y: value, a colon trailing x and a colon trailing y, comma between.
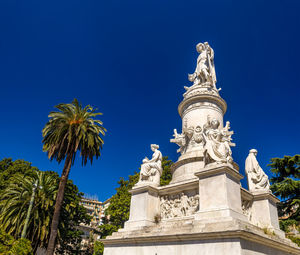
x: 204, y: 209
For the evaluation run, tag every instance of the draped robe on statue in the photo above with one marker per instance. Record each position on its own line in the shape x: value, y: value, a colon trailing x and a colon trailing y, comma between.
x: 257, y: 179
x: 217, y: 149
x: 151, y: 170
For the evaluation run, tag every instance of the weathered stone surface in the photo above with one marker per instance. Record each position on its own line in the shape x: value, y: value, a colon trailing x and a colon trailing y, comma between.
x: 219, y: 193
x: 196, y: 237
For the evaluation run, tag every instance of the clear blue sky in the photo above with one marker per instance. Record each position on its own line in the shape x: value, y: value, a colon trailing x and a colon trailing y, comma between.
x: 131, y: 59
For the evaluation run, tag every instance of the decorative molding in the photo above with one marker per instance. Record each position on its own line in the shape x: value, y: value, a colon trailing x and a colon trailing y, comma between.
x: 260, y: 238
x: 217, y: 100
x: 216, y: 169
x: 144, y: 188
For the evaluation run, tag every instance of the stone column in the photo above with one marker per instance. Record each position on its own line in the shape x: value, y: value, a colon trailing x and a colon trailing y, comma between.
x: 219, y: 193
x: 144, y: 206
x: 200, y: 101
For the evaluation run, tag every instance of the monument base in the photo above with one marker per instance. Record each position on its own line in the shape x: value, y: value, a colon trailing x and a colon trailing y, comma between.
x: 193, y: 237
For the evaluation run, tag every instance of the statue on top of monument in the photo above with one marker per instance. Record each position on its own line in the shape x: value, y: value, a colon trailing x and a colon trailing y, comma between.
x: 217, y: 142
x: 205, y: 69
x: 257, y: 179
x: 151, y: 169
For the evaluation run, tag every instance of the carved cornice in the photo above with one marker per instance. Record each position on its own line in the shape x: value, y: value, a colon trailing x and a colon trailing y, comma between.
x: 184, y: 161
x: 219, y: 169
x: 176, y: 187
x: 137, y: 189
x: 205, y: 100
x: 262, y: 195
x: 244, y: 234
x: 246, y: 195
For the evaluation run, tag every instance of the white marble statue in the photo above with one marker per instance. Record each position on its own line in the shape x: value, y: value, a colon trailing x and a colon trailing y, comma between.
x: 190, y: 137
x: 257, y: 179
x: 181, y: 140
x: 205, y: 69
x: 217, y: 142
x: 151, y: 169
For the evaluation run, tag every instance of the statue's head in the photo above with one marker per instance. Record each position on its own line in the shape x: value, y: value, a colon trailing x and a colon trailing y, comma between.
x: 200, y: 47
x: 215, y: 123
x: 154, y: 147
x: 253, y: 151
x: 198, y: 129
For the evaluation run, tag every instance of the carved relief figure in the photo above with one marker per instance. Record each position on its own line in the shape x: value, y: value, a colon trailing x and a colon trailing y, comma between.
x: 180, y: 140
x: 151, y: 170
x: 190, y: 137
x: 184, y: 204
x: 178, y: 205
x: 205, y: 69
x: 197, y: 136
x: 217, y: 142
x: 257, y: 179
x: 246, y: 208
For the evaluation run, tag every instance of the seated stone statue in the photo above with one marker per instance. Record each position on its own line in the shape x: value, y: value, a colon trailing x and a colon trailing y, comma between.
x: 217, y: 143
x: 257, y: 179
x: 151, y: 170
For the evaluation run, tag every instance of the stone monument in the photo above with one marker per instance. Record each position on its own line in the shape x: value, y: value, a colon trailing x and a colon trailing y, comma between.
x: 204, y: 209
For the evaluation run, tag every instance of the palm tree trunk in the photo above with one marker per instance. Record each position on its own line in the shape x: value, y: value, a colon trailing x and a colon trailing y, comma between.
x: 58, y: 204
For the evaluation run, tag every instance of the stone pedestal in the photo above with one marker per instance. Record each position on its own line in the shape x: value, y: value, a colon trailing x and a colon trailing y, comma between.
x: 264, y: 210
x: 219, y: 193
x: 232, y: 237
x: 143, y: 207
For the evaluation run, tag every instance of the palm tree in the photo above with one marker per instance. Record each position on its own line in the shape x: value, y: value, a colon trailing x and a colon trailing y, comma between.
x: 70, y: 129
x: 14, y: 202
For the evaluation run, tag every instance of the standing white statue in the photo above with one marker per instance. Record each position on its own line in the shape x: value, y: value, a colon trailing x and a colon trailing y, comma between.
x: 205, y: 69
x: 217, y: 142
x: 257, y: 179
x: 151, y: 169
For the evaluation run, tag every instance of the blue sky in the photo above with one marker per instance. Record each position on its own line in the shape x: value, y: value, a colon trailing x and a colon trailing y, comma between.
x: 130, y: 59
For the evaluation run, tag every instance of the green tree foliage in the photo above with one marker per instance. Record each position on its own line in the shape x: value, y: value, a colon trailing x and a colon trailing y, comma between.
x: 14, y: 202
x: 166, y: 176
x: 118, y: 210
x: 8, y: 168
x: 286, y: 186
x: 98, y: 248
x: 11, y: 246
x: 71, y: 129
